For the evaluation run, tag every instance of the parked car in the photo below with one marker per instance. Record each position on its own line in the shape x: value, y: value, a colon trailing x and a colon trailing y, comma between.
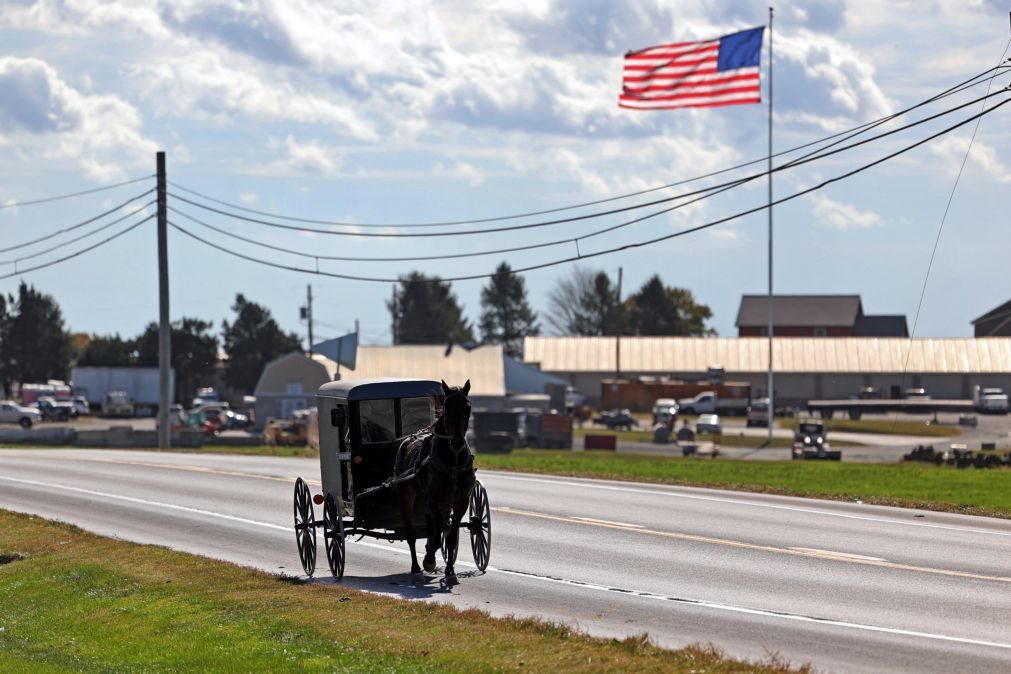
x: 809, y: 442
x: 13, y: 413
x: 917, y: 394
x: 709, y: 423
x: 665, y: 411
x: 55, y: 410
x: 758, y: 413
x: 117, y: 404
x: 616, y: 419
x: 82, y: 405
x: 285, y: 432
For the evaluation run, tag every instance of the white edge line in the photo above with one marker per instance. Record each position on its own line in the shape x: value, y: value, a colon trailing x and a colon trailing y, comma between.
x: 562, y: 581
x: 741, y: 501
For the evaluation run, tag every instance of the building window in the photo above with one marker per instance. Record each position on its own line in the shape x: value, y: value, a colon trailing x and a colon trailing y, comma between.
x: 821, y: 332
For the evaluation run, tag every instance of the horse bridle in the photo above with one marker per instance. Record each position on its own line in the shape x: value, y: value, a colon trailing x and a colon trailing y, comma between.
x: 463, y: 448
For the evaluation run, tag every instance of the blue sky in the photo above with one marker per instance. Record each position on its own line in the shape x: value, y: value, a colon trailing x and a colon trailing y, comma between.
x: 422, y: 111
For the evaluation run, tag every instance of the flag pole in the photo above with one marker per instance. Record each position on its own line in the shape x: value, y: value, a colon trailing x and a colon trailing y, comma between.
x: 772, y: 402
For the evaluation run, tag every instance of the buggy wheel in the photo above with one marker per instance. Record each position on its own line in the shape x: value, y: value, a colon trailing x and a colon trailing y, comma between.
x: 480, y: 526
x: 333, y: 536
x: 305, y: 527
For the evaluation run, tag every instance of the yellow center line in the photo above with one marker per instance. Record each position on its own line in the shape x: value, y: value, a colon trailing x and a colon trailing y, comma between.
x: 184, y: 467
x: 801, y: 552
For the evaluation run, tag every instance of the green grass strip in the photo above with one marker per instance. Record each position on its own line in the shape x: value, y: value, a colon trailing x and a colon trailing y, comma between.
x: 916, y: 485
x: 71, y: 601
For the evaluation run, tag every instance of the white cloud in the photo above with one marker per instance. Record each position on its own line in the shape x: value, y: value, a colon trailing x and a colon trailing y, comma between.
x: 101, y: 133
x: 951, y: 150
x: 833, y: 214
x: 248, y: 198
x: 464, y: 171
x: 299, y: 157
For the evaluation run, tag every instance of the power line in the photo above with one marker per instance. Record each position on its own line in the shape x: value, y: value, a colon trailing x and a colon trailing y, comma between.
x: 79, y: 252
x: 958, y: 88
x: 78, y: 225
x: 46, y: 200
x: 810, y: 157
x: 68, y: 242
x: 709, y: 191
x: 638, y: 244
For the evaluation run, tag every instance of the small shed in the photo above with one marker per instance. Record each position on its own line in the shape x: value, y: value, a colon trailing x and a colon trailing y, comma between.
x: 290, y: 383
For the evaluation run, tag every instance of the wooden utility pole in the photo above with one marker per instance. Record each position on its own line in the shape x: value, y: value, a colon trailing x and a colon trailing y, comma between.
x: 308, y: 314
x: 164, y: 327
x: 617, y: 331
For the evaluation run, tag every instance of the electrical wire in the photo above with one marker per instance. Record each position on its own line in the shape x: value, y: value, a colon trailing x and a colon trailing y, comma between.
x: 46, y: 200
x: 68, y: 242
x: 711, y: 191
x: 79, y: 252
x: 342, y: 258
x: 576, y: 240
x: 78, y: 225
x: 955, y: 89
x: 628, y: 246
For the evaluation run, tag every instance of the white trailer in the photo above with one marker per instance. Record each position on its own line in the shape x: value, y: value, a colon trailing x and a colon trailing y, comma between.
x: 139, y: 383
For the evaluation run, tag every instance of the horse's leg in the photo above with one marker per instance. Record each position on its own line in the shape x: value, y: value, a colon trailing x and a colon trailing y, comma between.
x: 407, y: 495
x: 434, y: 524
x: 453, y: 537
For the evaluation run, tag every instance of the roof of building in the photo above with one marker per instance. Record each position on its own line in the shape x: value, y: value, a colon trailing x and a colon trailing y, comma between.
x: 381, y: 388
x: 881, y: 325
x: 826, y: 311
x: 1002, y: 311
x: 738, y: 355
x: 483, y: 366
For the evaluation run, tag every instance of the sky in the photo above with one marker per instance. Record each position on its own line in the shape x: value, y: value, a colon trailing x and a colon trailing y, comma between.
x: 418, y: 111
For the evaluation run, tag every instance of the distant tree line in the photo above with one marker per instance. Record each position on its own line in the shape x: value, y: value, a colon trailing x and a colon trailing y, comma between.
x: 36, y: 346
x: 424, y: 310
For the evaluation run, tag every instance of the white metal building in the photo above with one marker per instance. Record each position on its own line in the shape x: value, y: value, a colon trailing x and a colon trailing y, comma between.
x: 805, y: 368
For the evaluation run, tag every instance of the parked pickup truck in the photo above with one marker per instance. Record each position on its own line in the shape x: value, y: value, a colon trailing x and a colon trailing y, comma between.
x: 708, y: 402
x: 992, y: 400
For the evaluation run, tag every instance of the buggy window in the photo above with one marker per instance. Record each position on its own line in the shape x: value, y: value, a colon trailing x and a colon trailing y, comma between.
x: 415, y: 414
x: 378, y: 422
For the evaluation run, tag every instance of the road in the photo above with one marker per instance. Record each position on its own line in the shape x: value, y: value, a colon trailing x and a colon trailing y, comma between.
x: 844, y: 586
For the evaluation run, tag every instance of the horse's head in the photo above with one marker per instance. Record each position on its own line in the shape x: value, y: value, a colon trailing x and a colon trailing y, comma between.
x: 456, y: 411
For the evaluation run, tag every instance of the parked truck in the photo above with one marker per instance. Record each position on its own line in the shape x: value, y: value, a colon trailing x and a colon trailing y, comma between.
x: 708, y: 402
x: 640, y: 395
x: 140, y: 384
x: 990, y: 400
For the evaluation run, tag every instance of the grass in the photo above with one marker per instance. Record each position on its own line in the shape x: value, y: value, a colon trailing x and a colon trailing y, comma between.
x: 74, y: 601
x: 914, y: 485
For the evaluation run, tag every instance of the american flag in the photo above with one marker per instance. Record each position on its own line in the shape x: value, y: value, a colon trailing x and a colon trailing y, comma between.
x: 725, y: 71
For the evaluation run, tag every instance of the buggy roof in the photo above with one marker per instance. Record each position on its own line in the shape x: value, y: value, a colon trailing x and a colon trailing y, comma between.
x: 380, y: 388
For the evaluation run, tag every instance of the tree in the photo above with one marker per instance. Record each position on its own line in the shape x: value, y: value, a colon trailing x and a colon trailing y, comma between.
x: 36, y: 347
x: 586, y: 304
x: 194, y: 354
x: 425, y: 311
x: 507, y: 317
x: 107, y: 351
x: 657, y: 309
x: 251, y: 341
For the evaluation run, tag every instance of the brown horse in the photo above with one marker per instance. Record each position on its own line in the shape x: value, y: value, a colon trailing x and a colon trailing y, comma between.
x: 443, y: 468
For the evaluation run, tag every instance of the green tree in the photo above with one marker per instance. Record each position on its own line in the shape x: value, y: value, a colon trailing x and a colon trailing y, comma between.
x: 657, y: 309
x: 425, y: 311
x: 36, y: 346
x: 586, y: 304
x: 251, y: 341
x: 194, y: 354
x: 506, y: 317
x: 107, y: 351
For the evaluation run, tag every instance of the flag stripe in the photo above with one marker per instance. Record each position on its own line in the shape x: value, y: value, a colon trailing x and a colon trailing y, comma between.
x: 694, y: 74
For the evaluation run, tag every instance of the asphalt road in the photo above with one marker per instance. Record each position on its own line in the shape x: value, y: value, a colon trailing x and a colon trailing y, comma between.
x: 844, y: 586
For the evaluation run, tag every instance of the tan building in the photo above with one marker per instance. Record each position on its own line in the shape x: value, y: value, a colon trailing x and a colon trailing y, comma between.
x: 805, y: 368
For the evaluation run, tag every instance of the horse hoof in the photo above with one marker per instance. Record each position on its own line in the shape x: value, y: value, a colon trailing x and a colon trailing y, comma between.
x: 429, y: 565
x: 452, y: 580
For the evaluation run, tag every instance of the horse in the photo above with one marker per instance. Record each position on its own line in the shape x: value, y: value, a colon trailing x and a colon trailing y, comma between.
x: 443, y: 468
